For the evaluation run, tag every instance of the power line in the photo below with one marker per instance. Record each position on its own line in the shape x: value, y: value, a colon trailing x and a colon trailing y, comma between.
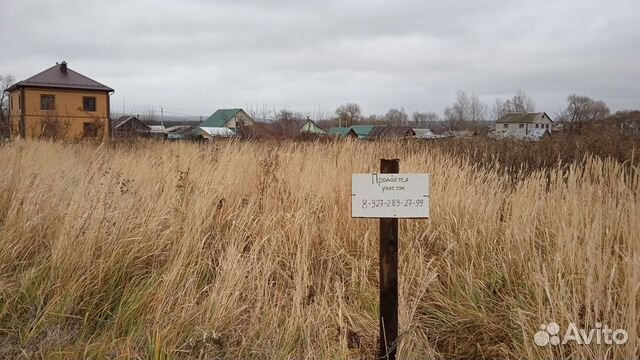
x: 181, y: 114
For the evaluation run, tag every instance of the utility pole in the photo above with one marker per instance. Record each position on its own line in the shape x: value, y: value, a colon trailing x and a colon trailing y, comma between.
x: 162, y: 116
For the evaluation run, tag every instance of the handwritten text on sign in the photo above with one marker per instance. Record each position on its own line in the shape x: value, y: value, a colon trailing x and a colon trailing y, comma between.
x: 390, y: 195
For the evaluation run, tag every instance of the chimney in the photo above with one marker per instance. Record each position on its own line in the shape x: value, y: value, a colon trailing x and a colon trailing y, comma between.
x: 63, y: 67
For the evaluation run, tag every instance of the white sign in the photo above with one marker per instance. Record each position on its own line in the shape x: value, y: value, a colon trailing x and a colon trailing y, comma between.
x: 390, y: 195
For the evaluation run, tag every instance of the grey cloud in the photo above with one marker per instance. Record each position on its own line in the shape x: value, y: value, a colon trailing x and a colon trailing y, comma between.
x: 194, y: 56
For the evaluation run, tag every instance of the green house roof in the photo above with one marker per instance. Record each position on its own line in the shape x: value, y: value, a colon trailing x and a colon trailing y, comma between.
x: 220, y: 117
x: 362, y: 130
x: 339, y: 131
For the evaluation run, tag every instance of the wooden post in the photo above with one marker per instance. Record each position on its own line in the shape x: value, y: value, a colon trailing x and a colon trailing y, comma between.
x: 388, y: 275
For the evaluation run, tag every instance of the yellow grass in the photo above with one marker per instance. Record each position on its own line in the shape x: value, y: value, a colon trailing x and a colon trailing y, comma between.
x: 242, y: 250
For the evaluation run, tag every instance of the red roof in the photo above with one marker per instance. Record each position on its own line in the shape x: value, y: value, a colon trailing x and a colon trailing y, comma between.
x: 61, y: 76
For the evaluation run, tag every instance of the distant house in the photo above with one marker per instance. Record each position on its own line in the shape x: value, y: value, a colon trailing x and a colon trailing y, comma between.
x: 460, y: 134
x: 156, y: 128
x: 59, y: 103
x: 342, y: 132
x: 234, y: 119
x: 423, y: 133
x: 518, y: 122
x: 129, y: 126
x: 308, y: 126
x: 391, y: 132
x: 427, y: 134
x: 178, y: 132
x: 362, y: 131
x: 535, y: 134
x: 213, y: 132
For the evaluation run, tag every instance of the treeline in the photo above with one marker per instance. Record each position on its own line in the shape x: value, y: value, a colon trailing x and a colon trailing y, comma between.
x: 467, y: 112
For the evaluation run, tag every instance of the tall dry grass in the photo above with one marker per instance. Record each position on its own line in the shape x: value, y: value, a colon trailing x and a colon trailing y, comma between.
x: 242, y: 250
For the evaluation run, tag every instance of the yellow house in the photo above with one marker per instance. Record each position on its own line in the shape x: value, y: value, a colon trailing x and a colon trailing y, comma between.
x: 59, y: 103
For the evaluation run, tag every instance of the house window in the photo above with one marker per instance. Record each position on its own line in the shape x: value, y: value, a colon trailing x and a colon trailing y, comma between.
x: 89, y: 103
x: 19, y: 102
x: 536, y: 126
x: 47, y: 102
x: 90, y: 129
x: 521, y: 126
x: 505, y: 126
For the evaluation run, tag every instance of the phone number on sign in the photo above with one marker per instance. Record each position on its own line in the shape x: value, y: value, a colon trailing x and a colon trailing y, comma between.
x: 392, y: 203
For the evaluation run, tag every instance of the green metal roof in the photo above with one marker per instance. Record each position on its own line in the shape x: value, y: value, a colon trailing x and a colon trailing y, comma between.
x: 220, y: 117
x: 362, y: 130
x: 339, y: 131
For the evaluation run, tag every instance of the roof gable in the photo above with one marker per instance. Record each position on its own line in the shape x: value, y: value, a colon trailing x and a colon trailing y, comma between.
x: 220, y: 117
x: 341, y: 131
x: 362, y: 130
x: 62, y: 77
x: 135, y: 123
x: 310, y: 125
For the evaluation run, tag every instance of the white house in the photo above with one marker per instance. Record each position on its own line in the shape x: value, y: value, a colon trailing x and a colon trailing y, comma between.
x: 520, y: 134
x: 517, y: 123
x: 214, y: 132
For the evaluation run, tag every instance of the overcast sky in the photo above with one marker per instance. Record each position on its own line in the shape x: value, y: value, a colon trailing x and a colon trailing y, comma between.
x: 195, y: 56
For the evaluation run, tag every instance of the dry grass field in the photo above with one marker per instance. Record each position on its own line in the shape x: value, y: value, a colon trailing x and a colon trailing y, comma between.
x: 248, y: 250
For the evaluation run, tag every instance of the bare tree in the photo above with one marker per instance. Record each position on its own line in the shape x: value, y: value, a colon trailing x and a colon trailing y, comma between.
x: 148, y: 116
x: 425, y: 119
x: 519, y: 103
x: 285, y: 116
x: 582, y: 110
x: 452, y: 118
x: 477, y: 110
x: 320, y: 115
x: 286, y: 123
x: 259, y: 112
x: 465, y: 109
x: 456, y: 114
x: 5, y: 82
x: 397, y: 117
x: 349, y: 113
x: 374, y: 119
x: 497, y: 109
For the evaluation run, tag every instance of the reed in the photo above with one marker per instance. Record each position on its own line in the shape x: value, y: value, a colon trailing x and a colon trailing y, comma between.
x: 247, y: 250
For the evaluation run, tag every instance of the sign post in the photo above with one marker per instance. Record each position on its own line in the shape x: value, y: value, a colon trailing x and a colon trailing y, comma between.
x: 389, y: 275
x: 389, y: 196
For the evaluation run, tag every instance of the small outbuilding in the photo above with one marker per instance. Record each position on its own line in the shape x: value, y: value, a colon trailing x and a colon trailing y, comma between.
x: 129, y: 126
